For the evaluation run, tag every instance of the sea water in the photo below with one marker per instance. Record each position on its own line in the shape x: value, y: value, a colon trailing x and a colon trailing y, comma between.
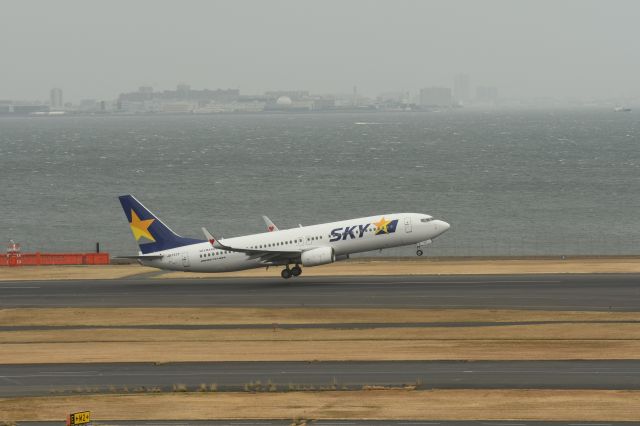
x: 510, y: 182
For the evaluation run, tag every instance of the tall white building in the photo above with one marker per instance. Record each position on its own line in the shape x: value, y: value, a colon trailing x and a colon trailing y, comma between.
x: 461, y: 89
x: 55, y: 99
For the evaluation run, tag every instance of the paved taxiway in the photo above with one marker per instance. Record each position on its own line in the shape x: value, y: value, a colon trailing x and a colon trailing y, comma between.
x: 39, y: 379
x: 559, y: 292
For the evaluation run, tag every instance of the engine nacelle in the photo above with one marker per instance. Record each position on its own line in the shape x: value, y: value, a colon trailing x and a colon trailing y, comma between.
x: 318, y: 256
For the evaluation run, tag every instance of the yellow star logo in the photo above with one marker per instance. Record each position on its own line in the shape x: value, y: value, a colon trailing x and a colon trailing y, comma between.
x: 140, y: 228
x: 381, y: 226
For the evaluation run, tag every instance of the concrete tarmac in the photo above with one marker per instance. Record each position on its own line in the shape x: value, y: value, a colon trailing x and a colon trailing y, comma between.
x: 548, y: 292
x: 47, y: 379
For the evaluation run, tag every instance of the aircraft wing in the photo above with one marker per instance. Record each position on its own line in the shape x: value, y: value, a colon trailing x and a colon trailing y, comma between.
x: 271, y: 227
x: 268, y: 256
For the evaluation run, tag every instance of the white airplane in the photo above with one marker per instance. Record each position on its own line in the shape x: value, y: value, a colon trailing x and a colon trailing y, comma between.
x: 313, y: 245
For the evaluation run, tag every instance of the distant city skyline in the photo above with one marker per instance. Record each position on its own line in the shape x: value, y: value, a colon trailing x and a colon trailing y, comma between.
x: 463, y: 90
x: 186, y: 99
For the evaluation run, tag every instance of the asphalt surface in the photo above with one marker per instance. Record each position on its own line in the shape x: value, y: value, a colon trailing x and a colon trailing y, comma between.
x: 552, y: 292
x: 619, y: 292
x: 47, y: 379
x: 295, y: 326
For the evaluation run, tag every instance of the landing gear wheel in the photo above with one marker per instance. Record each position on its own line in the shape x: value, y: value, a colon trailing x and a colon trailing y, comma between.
x: 296, y: 270
x: 419, y: 252
x: 286, y: 273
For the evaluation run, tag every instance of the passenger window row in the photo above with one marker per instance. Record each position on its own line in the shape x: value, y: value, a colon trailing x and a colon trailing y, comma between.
x: 283, y: 243
x: 214, y: 253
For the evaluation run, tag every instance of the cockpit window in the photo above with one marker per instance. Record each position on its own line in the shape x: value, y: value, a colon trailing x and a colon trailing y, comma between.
x: 426, y: 219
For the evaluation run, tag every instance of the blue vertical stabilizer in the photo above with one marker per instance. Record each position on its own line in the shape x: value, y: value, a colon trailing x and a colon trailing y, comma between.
x: 150, y: 233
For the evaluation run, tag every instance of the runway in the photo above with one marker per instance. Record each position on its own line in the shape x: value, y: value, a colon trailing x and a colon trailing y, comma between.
x: 47, y: 379
x: 602, y: 292
x: 549, y: 292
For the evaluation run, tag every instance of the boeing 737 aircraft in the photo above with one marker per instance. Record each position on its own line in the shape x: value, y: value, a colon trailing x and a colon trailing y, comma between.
x: 313, y: 245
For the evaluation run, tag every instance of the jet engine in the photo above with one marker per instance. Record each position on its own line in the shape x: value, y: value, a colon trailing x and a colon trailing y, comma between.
x: 318, y: 256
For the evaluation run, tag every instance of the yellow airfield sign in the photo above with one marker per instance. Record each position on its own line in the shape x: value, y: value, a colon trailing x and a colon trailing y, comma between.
x: 81, y: 418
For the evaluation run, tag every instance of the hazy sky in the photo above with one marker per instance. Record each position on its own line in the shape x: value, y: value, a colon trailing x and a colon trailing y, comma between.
x: 97, y: 49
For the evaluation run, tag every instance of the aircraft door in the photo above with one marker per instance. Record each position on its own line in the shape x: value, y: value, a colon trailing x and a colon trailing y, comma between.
x: 185, y: 259
x: 407, y: 224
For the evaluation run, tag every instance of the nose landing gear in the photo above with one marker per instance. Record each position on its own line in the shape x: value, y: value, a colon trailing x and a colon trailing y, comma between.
x: 419, y: 246
x: 293, y: 272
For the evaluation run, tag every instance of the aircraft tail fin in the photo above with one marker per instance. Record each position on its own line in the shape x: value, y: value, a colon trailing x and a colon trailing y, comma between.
x: 151, y: 234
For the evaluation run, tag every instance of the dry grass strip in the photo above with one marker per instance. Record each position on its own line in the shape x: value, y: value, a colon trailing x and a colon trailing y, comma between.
x: 600, y: 331
x: 71, y: 272
x: 213, y: 316
x: 353, y: 267
x: 559, y: 405
x: 325, y: 350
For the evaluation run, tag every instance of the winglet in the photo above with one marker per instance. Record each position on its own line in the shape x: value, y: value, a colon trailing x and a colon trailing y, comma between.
x: 217, y: 242
x: 212, y: 240
x: 271, y: 227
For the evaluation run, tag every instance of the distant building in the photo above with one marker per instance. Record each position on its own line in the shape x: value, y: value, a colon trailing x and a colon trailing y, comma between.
x: 55, y: 99
x: 487, y: 94
x: 393, y: 101
x: 321, y: 104
x: 397, y: 97
x: 436, y: 97
x: 29, y: 109
x: 294, y: 95
x: 146, y: 100
x: 183, y: 91
x: 9, y: 107
x: 461, y: 89
x: 230, y: 107
x: 178, y: 107
x: 284, y: 101
x: 88, y: 105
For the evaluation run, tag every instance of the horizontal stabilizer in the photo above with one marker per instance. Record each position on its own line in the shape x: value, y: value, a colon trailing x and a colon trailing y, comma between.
x: 141, y: 257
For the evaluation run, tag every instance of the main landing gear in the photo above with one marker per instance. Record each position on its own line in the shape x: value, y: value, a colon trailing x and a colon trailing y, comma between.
x: 293, y: 272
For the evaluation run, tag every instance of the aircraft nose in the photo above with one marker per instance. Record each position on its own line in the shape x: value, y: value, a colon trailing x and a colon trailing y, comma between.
x: 441, y: 226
